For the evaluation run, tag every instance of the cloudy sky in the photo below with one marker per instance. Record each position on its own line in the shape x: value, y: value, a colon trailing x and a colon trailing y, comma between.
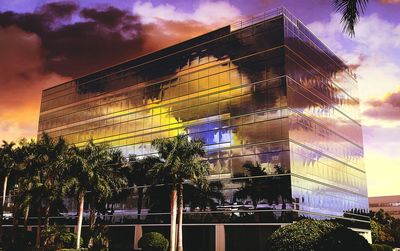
x: 45, y: 42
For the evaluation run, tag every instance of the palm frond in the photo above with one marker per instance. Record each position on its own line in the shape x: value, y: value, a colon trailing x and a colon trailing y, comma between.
x: 351, y: 11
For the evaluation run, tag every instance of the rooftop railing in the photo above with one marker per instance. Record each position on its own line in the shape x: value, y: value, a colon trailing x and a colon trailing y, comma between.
x: 262, y: 17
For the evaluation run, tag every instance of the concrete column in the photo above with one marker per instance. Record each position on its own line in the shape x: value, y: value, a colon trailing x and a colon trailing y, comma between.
x: 219, y: 237
x: 137, y: 236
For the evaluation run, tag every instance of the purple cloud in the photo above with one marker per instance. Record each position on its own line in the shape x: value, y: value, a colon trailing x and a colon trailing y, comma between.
x: 388, y: 108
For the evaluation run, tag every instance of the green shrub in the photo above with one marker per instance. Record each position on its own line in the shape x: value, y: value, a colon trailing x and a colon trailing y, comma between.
x: 313, y: 235
x: 376, y: 247
x: 58, y: 236
x: 153, y: 241
x: 23, y: 240
x: 381, y: 247
x: 99, y: 240
x: 300, y: 236
x: 342, y: 238
x: 387, y: 247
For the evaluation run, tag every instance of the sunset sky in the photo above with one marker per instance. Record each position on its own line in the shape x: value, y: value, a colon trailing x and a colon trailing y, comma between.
x: 44, y: 43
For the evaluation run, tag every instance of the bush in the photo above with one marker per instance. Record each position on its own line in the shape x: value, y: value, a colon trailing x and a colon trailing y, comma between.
x: 387, y: 247
x: 23, y: 240
x: 300, y: 236
x: 58, y: 236
x: 342, y: 238
x: 376, y: 247
x: 381, y: 247
x: 99, y: 240
x: 153, y: 241
x: 313, y: 235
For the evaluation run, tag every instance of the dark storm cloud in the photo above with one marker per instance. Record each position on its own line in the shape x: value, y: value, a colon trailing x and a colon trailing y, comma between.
x: 60, y: 41
x: 110, y: 17
x: 101, y: 37
x: 59, y: 9
x: 388, y: 108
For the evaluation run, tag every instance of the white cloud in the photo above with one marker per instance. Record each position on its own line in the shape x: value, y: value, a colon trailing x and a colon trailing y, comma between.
x: 376, y: 48
x: 207, y: 12
x: 376, y: 33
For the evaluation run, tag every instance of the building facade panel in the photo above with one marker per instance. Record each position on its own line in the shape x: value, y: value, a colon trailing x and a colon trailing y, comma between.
x: 327, y: 169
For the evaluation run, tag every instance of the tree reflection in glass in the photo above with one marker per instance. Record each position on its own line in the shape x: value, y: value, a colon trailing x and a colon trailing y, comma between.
x: 260, y: 187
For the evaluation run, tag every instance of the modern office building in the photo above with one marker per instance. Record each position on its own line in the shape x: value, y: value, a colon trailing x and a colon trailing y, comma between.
x: 390, y: 204
x: 277, y: 109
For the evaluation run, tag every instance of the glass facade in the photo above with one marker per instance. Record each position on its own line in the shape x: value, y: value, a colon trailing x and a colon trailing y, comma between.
x: 278, y: 112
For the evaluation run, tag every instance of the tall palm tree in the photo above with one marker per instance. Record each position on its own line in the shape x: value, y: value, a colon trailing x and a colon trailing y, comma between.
x: 109, y: 180
x: 54, y: 171
x: 182, y: 161
x: 23, y: 156
x: 45, y: 177
x: 93, y: 175
x: 351, y: 11
x: 7, y: 165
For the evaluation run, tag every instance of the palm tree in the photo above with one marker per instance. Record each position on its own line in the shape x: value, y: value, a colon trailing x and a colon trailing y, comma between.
x: 109, y: 180
x: 182, y: 160
x: 138, y: 174
x: 54, y: 171
x: 7, y: 164
x: 45, y: 177
x: 94, y: 175
x: 23, y: 155
x: 351, y: 11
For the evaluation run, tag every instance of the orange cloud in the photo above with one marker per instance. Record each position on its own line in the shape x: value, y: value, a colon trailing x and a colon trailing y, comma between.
x: 21, y: 81
x: 390, y: 1
x: 42, y: 49
x: 387, y: 108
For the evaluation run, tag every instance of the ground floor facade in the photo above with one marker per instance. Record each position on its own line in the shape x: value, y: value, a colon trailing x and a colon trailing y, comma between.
x: 204, y: 237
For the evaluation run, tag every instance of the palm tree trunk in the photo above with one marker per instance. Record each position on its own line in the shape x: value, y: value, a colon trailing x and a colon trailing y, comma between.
x: 39, y: 225
x: 180, y: 217
x: 92, y: 216
x: 47, y: 216
x: 2, y: 206
x: 81, y: 201
x: 4, y: 190
x: 140, y: 202
x: 26, y: 215
x: 172, y: 246
x: 15, y: 220
x: 1, y: 220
